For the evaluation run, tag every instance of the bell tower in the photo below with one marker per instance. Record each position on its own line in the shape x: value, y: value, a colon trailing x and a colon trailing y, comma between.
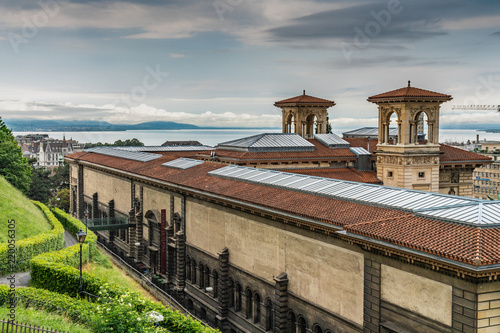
x: 406, y: 162
x: 302, y: 113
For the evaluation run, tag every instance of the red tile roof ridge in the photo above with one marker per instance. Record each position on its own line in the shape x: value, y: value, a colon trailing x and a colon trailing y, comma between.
x: 381, y: 220
x: 477, y: 259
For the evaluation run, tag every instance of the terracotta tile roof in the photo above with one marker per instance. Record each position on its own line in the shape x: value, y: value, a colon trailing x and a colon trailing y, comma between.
x: 320, y: 151
x: 349, y: 174
x: 451, y: 154
x: 304, y: 100
x: 409, y: 93
x: 467, y: 244
x: 457, y: 242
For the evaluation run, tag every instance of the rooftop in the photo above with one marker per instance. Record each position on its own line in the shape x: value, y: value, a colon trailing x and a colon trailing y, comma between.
x: 303, y: 100
x: 409, y: 93
x: 414, y: 222
x: 269, y: 142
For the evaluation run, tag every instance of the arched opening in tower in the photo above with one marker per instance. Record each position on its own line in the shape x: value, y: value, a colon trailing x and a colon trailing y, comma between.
x: 311, y: 126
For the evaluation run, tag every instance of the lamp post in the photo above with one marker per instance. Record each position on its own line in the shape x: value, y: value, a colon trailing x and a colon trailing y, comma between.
x: 80, y: 236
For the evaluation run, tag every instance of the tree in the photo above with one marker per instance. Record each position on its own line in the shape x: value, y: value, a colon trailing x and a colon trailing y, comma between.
x: 13, y: 165
x: 119, y: 143
x: 60, y: 177
x: 4, y: 128
x: 61, y: 200
x: 40, y: 189
x: 328, y: 125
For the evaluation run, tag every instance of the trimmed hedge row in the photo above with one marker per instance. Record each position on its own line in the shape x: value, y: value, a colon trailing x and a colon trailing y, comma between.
x: 28, y: 248
x: 58, y: 271
x: 74, y: 225
x: 77, y: 310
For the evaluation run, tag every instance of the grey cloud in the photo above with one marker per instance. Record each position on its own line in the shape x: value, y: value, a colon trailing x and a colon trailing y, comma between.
x: 416, y: 20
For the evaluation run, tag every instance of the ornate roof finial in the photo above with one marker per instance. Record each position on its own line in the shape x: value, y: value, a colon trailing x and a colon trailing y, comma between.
x: 408, y: 83
x: 304, y: 92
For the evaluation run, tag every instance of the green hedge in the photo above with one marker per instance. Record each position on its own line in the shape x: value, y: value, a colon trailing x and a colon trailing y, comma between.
x: 125, y: 313
x: 74, y: 225
x: 30, y: 247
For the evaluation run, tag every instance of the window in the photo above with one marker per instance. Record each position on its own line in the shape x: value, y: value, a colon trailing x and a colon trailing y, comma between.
x: 237, y: 298
x: 269, y: 315
x: 421, y: 174
x: 389, y: 174
x: 215, y: 277
x: 248, y: 295
x: 256, y: 301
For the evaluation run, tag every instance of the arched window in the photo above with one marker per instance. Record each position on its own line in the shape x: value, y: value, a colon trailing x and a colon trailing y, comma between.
x: 188, y: 268
x: 207, y: 277
x: 190, y: 305
x: 317, y: 329
x: 201, y: 269
x: 230, y: 287
x: 291, y: 322
x: 302, y: 325
x: 248, y: 296
x: 193, y: 271
x: 269, y: 314
x: 215, y: 277
x: 256, y: 313
x: 237, y: 298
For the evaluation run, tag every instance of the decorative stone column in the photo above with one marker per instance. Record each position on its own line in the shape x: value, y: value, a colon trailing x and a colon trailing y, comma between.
x: 139, y: 235
x: 95, y: 206
x: 163, y: 242
x: 281, y: 303
x: 80, y: 185
x: 371, y: 304
x: 133, y: 235
x: 223, y: 290
x: 180, y: 280
x: 170, y: 256
x: 111, y: 218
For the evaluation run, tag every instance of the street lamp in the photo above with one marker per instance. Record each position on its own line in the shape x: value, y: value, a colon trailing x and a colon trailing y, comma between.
x: 80, y: 236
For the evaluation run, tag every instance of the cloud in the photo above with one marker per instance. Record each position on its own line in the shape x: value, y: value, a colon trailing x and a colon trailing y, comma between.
x: 20, y: 109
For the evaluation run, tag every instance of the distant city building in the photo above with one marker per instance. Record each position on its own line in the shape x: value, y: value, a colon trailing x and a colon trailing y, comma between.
x: 181, y: 143
x: 48, y: 152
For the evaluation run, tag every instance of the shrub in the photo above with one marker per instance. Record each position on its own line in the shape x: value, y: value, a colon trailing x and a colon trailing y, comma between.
x: 30, y: 247
x: 74, y: 225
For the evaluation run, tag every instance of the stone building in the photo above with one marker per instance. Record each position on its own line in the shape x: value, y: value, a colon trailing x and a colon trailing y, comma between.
x: 288, y: 252
x: 251, y: 237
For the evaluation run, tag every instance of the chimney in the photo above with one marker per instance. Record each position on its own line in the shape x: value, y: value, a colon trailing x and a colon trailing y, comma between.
x: 477, y: 138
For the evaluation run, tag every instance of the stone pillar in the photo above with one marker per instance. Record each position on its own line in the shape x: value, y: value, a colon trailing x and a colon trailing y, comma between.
x: 133, y: 235
x: 465, y: 311
x: 139, y: 235
x: 371, y: 303
x: 80, y: 185
x: 170, y: 256
x: 163, y: 242
x: 95, y: 206
x: 180, y: 280
x: 281, y: 303
x: 223, y: 290
x: 111, y: 221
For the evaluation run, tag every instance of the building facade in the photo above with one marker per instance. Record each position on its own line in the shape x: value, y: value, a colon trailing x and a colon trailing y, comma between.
x: 302, y: 254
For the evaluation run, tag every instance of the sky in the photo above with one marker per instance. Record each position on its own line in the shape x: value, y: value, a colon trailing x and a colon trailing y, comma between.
x: 225, y: 62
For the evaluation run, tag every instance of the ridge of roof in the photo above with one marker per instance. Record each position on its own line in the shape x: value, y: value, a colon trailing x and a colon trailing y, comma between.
x: 305, y: 100
x: 409, y: 92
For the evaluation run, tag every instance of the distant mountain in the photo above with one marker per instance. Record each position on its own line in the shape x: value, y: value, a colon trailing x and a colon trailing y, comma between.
x: 21, y: 125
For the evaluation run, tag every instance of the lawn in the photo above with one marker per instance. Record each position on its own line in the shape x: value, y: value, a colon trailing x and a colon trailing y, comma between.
x: 29, y: 220
x: 43, y: 318
x: 102, y: 267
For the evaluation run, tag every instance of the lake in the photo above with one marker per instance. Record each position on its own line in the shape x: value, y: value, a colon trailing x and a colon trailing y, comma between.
x: 214, y: 136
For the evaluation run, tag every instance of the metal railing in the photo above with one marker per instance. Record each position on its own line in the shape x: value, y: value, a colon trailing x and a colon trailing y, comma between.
x: 147, y: 279
x: 9, y: 326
